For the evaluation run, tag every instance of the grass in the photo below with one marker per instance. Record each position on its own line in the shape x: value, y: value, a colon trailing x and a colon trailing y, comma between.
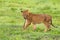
x: 11, y: 20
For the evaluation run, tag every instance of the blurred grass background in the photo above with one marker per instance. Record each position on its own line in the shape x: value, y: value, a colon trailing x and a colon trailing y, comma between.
x: 11, y: 20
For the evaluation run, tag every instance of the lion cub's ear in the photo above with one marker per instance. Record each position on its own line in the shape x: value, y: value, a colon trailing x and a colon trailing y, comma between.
x: 21, y: 10
x: 27, y: 11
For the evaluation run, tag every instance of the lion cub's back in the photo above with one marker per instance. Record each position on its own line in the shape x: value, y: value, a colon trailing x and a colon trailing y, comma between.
x: 38, y: 18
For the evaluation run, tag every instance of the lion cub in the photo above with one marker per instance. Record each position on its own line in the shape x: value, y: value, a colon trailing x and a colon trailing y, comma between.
x: 36, y: 19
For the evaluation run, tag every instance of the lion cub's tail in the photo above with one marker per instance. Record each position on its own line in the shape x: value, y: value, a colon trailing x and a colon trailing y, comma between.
x: 53, y: 25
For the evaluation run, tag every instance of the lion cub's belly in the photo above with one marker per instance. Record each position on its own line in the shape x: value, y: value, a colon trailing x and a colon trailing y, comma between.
x: 37, y: 19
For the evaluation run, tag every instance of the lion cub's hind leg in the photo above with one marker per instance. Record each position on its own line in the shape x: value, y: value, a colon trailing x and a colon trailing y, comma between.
x: 47, y: 26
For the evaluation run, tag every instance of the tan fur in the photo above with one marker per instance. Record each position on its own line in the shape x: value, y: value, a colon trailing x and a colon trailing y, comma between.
x: 36, y: 19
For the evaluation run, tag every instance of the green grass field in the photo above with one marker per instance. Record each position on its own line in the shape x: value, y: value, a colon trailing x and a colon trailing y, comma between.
x: 11, y: 20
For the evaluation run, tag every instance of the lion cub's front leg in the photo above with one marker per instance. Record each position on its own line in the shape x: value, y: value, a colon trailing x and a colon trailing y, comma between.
x: 26, y: 24
x: 34, y: 26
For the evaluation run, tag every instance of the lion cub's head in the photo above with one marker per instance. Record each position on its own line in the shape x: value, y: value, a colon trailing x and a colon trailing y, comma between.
x: 25, y: 13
